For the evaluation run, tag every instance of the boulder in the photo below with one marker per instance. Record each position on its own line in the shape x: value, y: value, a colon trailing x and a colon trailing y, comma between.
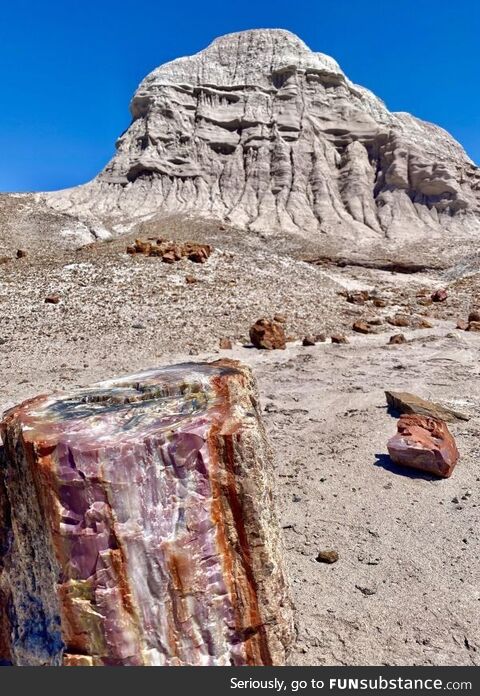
x: 267, y: 334
x: 404, y: 402
x: 424, y: 443
x: 137, y: 525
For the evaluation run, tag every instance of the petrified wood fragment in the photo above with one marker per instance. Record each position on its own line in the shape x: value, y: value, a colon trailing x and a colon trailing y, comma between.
x: 424, y: 443
x: 138, y: 525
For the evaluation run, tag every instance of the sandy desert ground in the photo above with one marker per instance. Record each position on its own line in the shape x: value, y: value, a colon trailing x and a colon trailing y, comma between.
x: 406, y: 587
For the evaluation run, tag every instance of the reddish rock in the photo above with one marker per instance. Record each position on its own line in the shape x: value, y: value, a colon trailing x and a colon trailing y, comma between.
x: 267, y: 334
x: 473, y: 326
x: 462, y: 325
x: 399, y: 320
x: 226, y: 344
x: 397, y: 339
x: 320, y: 338
x: 190, y: 279
x: 327, y: 556
x: 281, y: 318
x: 339, y: 338
x: 363, y: 327
x: 131, y: 250
x: 52, y: 299
x: 21, y: 254
x: 198, y: 253
x: 439, y: 295
x: 424, y: 443
x: 422, y: 324
x: 169, y: 257
x: 380, y: 302
x: 358, y: 297
x: 309, y: 341
x: 4, y: 259
x: 474, y: 315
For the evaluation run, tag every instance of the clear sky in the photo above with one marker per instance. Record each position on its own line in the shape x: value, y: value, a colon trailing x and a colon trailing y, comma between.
x: 69, y: 68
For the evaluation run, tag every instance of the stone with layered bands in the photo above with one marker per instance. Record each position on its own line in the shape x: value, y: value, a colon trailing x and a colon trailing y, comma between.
x: 138, y: 526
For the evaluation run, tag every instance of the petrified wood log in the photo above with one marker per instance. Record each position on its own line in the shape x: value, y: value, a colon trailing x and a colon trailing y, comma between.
x: 138, y: 525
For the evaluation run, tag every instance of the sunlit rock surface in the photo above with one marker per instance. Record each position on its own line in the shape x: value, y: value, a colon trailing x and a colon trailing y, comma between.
x: 137, y: 525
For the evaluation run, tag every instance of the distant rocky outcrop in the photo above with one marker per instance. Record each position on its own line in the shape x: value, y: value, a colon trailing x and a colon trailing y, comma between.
x: 260, y: 131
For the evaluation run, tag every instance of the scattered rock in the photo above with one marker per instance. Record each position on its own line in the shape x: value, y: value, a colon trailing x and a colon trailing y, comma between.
x: 473, y: 326
x: 367, y: 591
x: 309, y: 341
x: 439, y: 295
x: 4, y: 259
x: 363, y: 327
x: 404, y: 402
x: 474, y: 315
x: 462, y: 325
x: 169, y: 251
x: 399, y: 320
x: 380, y: 302
x: 320, y: 338
x: 138, y: 325
x: 190, y: 279
x: 21, y: 254
x: 226, y: 344
x: 424, y: 443
x: 396, y: 339
x: 267, y: 334
x: 281, y: 318
x: 52, y: 299
x: 339, y: 338
x: 358, y: 297
x: 327, y: 556
x: 425, y: 301
x: 422, y: 324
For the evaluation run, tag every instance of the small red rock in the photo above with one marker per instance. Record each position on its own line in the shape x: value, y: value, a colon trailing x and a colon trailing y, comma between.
x: 226, y: 344
x: 422, y: 324
x: 397, y: 339
x: 424, y: 443
x: 281, y: 318
x: 439, y: 295
x: 339, y: 338
x: 267, y: 334
x: 473, y: 326
x: 362, y: 327
x: 52, y: 299
x: 399, y: 320
x: 462, y: 325
x: 380, y: 302
x: 309, y: 341
x: 190, y: 279
x: 474, y: 315
x: 358, y: 297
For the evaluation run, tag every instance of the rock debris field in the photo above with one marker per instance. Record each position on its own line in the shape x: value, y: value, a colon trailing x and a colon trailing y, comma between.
x: 405, y: 587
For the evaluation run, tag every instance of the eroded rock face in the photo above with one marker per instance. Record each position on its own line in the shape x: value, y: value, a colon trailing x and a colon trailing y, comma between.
x: 424, y: 443
x: 137, y: 525
x: 260, y: 131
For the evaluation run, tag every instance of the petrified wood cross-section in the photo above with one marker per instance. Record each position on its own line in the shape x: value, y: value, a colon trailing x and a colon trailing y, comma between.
x: 137, y: 525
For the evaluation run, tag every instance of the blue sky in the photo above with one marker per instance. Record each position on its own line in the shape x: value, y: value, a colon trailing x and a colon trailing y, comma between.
x: 68, y: 69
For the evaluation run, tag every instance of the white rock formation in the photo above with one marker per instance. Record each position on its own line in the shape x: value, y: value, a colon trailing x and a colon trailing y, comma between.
x: 260, y: 131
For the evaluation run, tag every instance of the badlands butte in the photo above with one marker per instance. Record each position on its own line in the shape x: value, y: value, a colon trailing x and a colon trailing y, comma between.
x: 322, y: 208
